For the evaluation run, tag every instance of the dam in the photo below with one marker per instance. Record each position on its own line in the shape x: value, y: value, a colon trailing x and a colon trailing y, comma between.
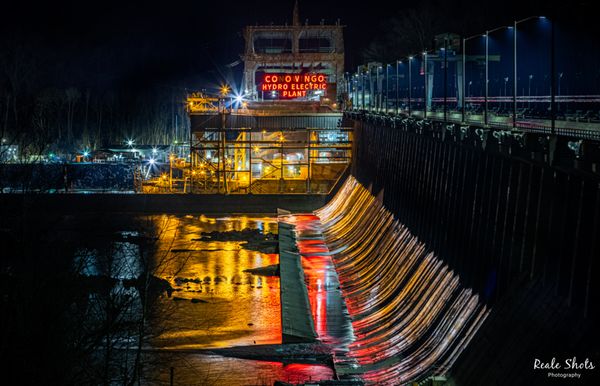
x: 433, y: 220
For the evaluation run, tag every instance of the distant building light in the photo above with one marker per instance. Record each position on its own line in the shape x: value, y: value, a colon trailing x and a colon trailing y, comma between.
x: 225, y: 90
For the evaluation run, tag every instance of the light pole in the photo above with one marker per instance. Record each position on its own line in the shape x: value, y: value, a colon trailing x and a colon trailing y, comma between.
x: 410, y: 58
x: 281, y: 140
x: 358, y: 80
x: 370, y: 89
x: 560, y: 75
x: 354, y: 90
x: 222, y: 140
x: 348, y: 83
x: 171, y: 159
x: 387, y: 86
x: 516, y: 22
x: 445, y: 79
x: 529, y: 91
x: 378, y: 90
x: 504, y: 99
x: 487, y: 45
x: 355, y: 82
x: 364, y: 94
x: 552, y: 81
x: 464, y: 67
x: 398, y: 63
x: 487, y: 65
x: 425, y: 85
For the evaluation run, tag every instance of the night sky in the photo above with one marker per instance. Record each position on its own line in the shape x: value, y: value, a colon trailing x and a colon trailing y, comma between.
x: 134, y: 44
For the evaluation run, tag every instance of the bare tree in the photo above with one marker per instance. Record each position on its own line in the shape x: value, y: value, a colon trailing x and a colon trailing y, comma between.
x: 412, y: 31
x: 72, y: 96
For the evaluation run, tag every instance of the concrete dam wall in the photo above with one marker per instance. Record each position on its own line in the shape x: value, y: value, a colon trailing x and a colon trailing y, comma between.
x: 516, y: 217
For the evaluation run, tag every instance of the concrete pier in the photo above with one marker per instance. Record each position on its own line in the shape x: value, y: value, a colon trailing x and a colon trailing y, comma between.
x: 297, y: 324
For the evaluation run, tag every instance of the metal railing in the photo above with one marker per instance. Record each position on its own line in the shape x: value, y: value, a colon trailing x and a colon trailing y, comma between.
x: 514, y: 77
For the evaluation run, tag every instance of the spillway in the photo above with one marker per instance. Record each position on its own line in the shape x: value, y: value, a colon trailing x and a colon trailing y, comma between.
x: 411, y: 316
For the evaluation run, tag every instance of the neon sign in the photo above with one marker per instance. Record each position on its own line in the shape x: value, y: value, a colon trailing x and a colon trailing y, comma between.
x: 293, y: 85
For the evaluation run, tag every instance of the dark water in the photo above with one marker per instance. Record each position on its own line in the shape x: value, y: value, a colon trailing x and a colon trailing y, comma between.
x: 237, y: 308
x: 74, y: 311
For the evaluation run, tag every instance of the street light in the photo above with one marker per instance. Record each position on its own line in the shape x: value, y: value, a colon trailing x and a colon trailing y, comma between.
x: 529, y: 91
x: 516, y: 22
x: 225, y: 90
x: 425, y: 85
x: 444, y: 50
x: 410, y: 58
x: 370, y: 90
x: 364, y: 86
x: 504, y: 99
x: 355, y: 101
x: 387, y: 85
x: 464, y: 68
x: 171, y: 159
x: 560, y: 75
x: 487, y: 65
x: 378, y: 93
x: 398, y: 63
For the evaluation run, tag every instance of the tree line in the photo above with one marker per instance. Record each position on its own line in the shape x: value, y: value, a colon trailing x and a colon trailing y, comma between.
x: 47, y: 107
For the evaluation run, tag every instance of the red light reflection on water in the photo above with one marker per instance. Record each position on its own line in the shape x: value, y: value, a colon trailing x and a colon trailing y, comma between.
x: 310, y: 247
x: 298, y: 372
x: 314, y: 273
x: 319, y: 273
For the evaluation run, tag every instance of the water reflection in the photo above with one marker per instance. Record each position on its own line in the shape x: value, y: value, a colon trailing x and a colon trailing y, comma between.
x: 193, y: 369
x: 217, y: 303
x: 214, y: 303
x: 331, y: 318
x: 234, y: 307
x: 109, y: 298
x: 123, y: 261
